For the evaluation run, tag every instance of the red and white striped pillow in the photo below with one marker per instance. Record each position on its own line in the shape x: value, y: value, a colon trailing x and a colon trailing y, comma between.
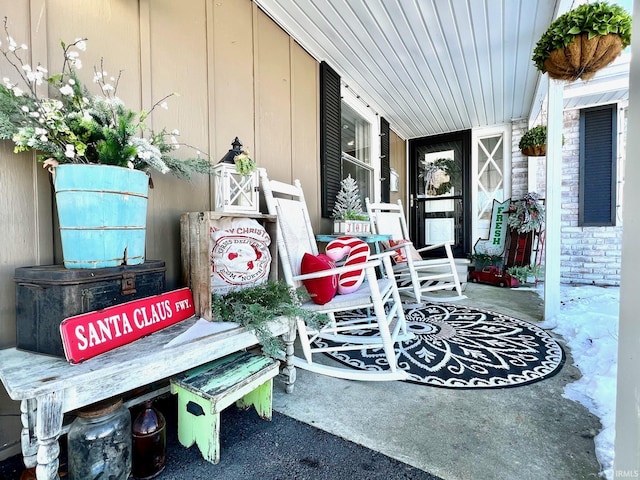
x: 357, y: 251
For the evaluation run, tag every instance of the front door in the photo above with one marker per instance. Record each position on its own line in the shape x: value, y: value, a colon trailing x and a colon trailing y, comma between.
x: 439, y: 188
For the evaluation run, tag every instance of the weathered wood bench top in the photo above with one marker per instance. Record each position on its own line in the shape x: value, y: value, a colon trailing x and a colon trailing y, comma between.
x: 49, y: 386
x: 214, y: 379
x: 29, y: 375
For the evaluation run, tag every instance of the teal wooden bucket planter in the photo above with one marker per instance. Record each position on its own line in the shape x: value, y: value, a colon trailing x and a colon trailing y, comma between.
x: 102, y: 211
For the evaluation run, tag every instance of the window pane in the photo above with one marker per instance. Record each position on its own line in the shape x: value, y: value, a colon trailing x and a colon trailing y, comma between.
x: 440, y: 170
x: 361, y: 174
x: 490, y: 177
x: 440, y: 191
x: 356, y: 135
x: 441, y: 174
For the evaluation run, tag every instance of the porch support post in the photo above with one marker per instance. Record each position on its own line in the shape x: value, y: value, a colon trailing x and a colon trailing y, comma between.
x: 553, y: 200
x: 532, y: 174
x: 627, y: 442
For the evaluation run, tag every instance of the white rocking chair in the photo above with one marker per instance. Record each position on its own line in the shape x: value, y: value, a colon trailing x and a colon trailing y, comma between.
x: 295, y: 238
x: 416, y: 277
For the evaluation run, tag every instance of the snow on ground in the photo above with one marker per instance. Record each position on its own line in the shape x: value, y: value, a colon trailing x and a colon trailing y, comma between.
x: 588, y: 322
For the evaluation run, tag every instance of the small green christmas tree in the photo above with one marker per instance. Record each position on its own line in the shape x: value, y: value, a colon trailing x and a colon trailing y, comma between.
x: 348, y: 205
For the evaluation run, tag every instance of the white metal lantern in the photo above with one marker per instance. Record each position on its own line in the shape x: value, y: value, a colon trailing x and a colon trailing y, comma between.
x: 234, y: 192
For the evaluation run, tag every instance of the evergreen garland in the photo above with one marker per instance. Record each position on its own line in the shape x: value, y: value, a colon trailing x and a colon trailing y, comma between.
x: 255, y: 306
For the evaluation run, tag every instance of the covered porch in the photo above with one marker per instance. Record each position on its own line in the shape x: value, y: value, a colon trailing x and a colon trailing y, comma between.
x: 252, y: 69
x: 525, y: 433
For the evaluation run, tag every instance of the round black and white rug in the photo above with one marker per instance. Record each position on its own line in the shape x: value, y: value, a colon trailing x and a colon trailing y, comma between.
x: 465, y: 347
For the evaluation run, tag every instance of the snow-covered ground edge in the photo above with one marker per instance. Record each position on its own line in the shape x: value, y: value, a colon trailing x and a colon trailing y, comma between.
x: 588, y: 323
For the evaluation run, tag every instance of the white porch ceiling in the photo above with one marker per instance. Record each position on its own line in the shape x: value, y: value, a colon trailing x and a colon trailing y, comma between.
x: 428, y: 66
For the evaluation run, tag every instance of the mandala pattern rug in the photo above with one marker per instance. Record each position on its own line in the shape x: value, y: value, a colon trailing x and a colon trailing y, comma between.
x: 465, y: 347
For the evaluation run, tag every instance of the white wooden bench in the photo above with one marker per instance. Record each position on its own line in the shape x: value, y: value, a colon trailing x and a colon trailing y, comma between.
x: 49, y: 386
x: 203, y: 392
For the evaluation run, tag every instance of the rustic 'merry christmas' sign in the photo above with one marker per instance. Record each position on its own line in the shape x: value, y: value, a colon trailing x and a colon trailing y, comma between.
x: 223, y: 252
x: 240, y: 254
x: 89, y: 334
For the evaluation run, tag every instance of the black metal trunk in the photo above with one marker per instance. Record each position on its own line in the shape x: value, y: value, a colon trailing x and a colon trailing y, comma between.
x: 46, y: 295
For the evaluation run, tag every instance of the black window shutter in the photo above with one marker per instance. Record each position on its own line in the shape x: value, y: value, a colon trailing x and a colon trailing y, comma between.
x: 330, y: 141
x: 598, y: 152
x: 385, y: 165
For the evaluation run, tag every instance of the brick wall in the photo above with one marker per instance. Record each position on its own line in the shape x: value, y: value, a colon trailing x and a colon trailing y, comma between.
x: 519, y: 162
x: 589, y: 255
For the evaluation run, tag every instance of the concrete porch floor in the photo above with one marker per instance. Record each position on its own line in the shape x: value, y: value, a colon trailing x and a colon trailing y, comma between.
x: 524, y: 433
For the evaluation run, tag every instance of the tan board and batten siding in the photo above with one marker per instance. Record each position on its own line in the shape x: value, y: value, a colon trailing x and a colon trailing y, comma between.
x: 398, y: 161
x: 237, y: 74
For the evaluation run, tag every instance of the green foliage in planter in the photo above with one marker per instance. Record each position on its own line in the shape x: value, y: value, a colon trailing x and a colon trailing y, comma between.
x: 485, y: 257
x: 254, y: 307
x: 482, y: 260
x: 74, y: 125
x: 536, y: 136
x: 524, y: 272
x: 354, y: 216
x: 593, y: 19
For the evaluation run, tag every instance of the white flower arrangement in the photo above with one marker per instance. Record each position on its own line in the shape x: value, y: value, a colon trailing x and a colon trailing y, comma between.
x: 76, y: 126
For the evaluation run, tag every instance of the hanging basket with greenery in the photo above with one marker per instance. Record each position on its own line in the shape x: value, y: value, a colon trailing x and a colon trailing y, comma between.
x: 534, y: 142
x: 583, y: 41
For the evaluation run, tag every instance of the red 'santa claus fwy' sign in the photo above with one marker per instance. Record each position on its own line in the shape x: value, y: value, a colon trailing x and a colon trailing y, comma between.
x: 89, y: 334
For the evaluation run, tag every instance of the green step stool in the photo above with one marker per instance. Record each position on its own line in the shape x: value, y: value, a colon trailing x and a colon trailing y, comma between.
x: 203, y: 392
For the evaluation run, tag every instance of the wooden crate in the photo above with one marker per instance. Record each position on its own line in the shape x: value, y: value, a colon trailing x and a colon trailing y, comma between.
x: 196, y: 247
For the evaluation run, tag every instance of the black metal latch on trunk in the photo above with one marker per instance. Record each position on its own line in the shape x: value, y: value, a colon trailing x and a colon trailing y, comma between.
x: 128, y: 284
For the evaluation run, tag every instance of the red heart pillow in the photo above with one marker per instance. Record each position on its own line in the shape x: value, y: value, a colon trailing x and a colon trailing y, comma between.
x: 321, y: 290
